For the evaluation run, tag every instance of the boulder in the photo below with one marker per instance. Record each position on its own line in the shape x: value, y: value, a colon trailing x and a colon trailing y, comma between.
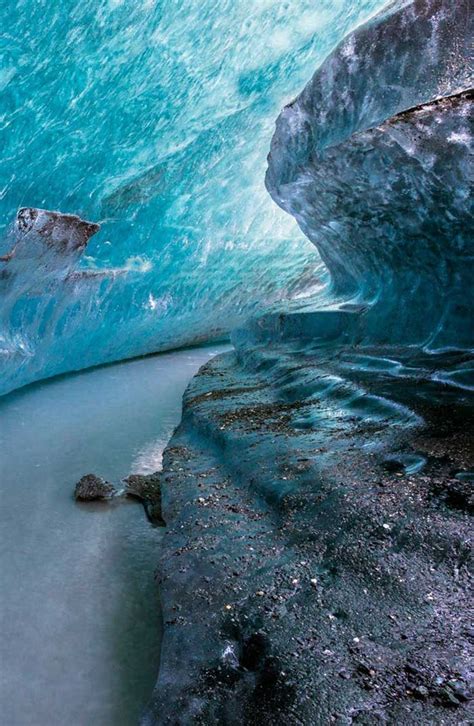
x: 147, y: 489
x: 91, y: 488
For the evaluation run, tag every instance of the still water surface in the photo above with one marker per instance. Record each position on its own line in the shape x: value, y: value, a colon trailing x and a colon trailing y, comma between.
x: 79, y: 613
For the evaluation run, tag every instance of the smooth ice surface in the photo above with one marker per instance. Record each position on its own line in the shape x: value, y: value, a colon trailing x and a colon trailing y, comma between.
x: 79, y: 612
x: 153, y: 118
x: 374, y: 160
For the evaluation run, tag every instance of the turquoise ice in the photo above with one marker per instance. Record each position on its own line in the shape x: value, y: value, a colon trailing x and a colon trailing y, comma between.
x: 154, y: 119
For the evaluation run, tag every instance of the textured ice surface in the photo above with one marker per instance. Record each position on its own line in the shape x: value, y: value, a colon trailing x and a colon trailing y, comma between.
x: 153, y: 118
x: 374, y: 161
x: 316, y: 492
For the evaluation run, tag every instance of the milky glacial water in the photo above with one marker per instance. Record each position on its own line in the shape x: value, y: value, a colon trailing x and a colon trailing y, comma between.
x: 79, y: 607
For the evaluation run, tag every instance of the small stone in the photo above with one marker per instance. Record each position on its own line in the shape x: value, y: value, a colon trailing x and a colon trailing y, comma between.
x: 460, y: 689
x: 421, y: 692
x: 144, y: 487
x: 147, y: 489
x: 449, y: 697
x: 92, y: 488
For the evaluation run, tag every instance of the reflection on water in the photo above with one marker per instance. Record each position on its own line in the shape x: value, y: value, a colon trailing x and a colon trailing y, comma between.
x: 79, y: 615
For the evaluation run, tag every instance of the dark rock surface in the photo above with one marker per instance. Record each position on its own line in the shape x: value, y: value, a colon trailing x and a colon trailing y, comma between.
x: 91, y: 488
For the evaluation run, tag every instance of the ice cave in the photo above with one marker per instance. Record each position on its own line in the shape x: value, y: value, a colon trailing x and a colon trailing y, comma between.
x: 236, y: 357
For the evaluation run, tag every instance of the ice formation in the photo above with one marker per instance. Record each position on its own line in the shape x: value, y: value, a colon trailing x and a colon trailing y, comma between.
x: 154, y: 120
x: 318, y: 489
x: 374, y: 161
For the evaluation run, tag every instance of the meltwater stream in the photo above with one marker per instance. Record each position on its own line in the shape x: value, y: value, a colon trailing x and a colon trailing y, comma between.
x: 79, y: 614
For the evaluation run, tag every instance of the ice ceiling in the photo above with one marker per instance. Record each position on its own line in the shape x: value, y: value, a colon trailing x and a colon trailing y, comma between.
x: 153, y: 119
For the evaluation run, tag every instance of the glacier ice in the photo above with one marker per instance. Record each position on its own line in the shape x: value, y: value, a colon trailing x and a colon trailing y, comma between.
x: 373, y: 159
x: 154, y: 120
x: 308, y: 546
x: 317, y: 489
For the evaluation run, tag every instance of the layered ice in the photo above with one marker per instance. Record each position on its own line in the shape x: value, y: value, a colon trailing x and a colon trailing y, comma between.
x: 373, y: 159
x: 152, y: 119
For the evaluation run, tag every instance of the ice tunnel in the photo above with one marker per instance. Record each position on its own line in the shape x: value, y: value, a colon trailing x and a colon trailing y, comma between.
x: 153, y: 121
x: 292, y: 180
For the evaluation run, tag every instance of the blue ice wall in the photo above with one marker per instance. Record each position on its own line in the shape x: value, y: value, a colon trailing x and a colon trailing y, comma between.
x: 152, y: 118
x: 374, y: 160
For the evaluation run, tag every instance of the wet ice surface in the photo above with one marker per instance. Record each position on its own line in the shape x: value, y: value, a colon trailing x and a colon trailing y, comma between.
x: 79, y: 612
x: 153, y: 118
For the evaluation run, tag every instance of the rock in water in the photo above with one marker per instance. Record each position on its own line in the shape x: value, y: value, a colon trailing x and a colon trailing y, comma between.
x: 147, y: 488
x: 91, y: 488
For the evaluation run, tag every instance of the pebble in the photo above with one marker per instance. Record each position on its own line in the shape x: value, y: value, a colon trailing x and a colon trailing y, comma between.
x: 421, y: 691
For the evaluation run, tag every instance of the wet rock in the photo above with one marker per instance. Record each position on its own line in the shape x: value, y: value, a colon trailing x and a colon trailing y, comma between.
x: 147, y: 489
x: 456, y: 494
x: 91, y: 488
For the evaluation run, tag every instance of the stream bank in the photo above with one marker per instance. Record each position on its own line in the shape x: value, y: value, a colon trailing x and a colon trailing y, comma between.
x: 79, y: 607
